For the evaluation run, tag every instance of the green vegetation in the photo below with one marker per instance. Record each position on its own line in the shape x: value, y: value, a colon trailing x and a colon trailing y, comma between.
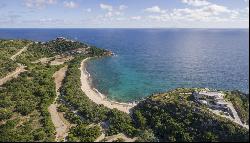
x: 241, y: 103
x: 119, y: 122
x: 76, y: 99
x: 6, y: 64
x: 83, y: 133
x: 13, y: 43
x: 24, y: 102
x: 58, y: 46
x: 171, y: 116
x: 7, y: 49
x: 174, y: 116
x: 119, y: 140
x: 61, y: 45
x: 87, y: 111
x: 146, y: 136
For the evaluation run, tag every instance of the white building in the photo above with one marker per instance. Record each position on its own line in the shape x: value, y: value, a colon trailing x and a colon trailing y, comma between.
x: 213, y: 99
x: 208, y: 95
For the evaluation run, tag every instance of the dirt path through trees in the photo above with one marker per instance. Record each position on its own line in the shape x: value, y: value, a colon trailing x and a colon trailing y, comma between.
x: 61, y: 124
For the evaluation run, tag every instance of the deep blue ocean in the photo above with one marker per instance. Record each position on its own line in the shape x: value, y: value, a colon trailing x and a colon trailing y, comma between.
x: 148, y: 61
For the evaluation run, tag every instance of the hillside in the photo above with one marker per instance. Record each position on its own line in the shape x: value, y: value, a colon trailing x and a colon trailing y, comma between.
x: 175, y: 116
x: 26, y: 96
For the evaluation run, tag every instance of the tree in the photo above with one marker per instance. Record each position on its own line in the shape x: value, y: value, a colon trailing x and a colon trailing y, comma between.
x: 146, y: 136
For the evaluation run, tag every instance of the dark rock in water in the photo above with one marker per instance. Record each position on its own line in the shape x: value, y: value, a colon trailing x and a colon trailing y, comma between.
x: 108, y: 53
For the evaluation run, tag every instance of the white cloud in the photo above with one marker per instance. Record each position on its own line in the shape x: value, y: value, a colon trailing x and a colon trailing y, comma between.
x: 45, y: 21
x: 38, y: 3
x: 51, y: 1
x: 120, y: 18
x: 122, y: 7
x: 10, y: 18
x: 243, y: 14
x: 202, y: 11
x: 162, y: 18
x: 70, y: 4
x: 109, y: 14
x: 106, y: 7
x: 247, y: 10
x: 88, y: 9
x: 155, y: 9
x: 112, y: 13
x: 206, y: 12
x: 118, y: 13
x: 196, y: 2
x: 136, y: 18
x: 215, y: 9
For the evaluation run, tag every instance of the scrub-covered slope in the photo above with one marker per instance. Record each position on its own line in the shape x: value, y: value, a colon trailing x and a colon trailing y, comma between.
x: 175, y: 116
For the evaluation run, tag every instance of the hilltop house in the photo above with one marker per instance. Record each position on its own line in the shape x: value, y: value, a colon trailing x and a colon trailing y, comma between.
x: 213, y: 100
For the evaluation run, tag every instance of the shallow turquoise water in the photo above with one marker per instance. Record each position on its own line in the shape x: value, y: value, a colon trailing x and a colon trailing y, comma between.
x: 157, y: 60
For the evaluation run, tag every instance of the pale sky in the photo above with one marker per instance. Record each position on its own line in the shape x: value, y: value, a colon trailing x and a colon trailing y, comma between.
x: 124, y: 14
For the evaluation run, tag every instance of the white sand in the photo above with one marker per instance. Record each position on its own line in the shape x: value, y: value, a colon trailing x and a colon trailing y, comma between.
x: 96, y: 96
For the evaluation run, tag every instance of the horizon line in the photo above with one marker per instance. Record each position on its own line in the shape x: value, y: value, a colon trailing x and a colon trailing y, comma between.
x: 121, y: 28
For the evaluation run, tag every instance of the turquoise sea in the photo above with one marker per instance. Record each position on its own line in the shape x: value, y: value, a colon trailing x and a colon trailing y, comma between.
x: 148, y: 61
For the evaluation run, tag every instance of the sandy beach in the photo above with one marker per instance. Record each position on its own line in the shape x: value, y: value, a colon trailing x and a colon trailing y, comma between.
x: 96, y: 96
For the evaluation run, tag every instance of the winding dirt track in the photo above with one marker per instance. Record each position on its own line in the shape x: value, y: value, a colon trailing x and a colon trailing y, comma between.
x: 12, y: 75
x: 19, y: 52
x: 19, y: 69
x: 60, y: 123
